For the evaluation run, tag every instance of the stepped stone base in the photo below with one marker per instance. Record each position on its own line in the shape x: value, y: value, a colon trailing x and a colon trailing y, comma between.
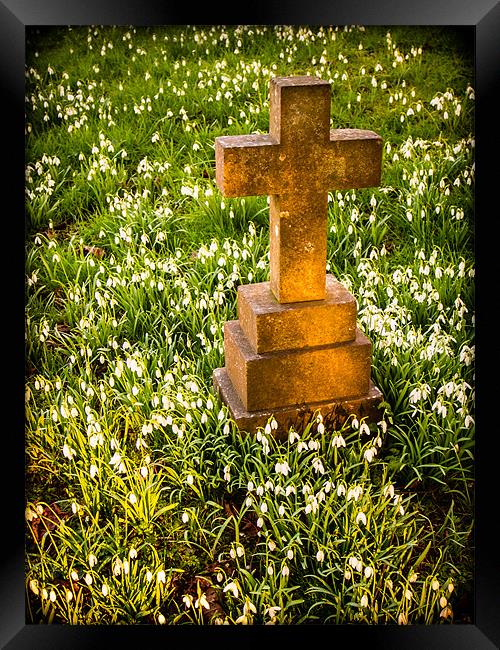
x: 275, y: 379
x: 271, y: 326
x: 334, y: 412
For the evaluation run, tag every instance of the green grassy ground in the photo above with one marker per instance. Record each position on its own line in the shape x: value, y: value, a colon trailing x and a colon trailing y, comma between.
x: 144, y: 504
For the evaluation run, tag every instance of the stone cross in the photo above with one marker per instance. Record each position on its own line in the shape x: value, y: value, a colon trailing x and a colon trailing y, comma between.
x: 297, y: 164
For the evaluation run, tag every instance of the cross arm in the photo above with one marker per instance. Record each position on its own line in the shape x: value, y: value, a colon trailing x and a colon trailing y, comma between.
x: 355, y: 159
x: 246, y: 165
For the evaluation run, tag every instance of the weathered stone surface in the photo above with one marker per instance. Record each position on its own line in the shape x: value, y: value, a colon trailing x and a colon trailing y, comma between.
x: 295, y: 349
x: 297, y: 231
x: 297, y: 164
x: 277, y: 379
x: 334, y: 412
x: 271, y: 326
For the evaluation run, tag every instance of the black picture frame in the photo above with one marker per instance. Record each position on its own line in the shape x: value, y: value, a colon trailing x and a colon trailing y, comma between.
x: 483, y: 16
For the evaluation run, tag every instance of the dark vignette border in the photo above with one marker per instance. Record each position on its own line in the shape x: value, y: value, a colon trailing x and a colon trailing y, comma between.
x: 484, y: 17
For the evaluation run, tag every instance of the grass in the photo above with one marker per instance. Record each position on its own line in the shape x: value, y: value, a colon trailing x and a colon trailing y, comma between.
x: 144, y: 504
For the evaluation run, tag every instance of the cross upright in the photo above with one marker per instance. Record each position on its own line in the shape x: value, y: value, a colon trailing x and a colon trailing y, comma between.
x: 297, y: 164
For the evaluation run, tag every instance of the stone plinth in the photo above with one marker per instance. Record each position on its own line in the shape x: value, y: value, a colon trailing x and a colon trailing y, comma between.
x: 272, y: 326
x: 275, y: 379
x: 334, y: 412
x: 289, y: 360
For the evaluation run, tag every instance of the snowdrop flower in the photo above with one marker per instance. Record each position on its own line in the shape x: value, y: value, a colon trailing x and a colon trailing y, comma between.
x: 320, y: 556
x: 361, y: 518
x: 202, y: 601
x: 355, y: 493
x: 68, y: 452
x: 364, y: 601
x: 364, y: 428
x: 115, y: 459
x: 389, y: 490
x: 187, y: 599
x: 318, y: 466
x: 282, y: 468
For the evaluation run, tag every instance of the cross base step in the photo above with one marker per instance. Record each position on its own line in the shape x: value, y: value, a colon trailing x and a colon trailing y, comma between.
x: 334, y: 412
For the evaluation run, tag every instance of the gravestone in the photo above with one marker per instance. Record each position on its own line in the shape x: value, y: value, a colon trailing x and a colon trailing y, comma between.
x: 295, y: 348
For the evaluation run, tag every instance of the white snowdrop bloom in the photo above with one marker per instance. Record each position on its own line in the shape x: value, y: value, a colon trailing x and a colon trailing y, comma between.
x: 115, y: 459
x: 364, y: 601
x: 364, y: 428
x: 369, y: 454
x: 361, y: 518
x: 233, y: 588
x: 185, y: 517
x: 318, y: 466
